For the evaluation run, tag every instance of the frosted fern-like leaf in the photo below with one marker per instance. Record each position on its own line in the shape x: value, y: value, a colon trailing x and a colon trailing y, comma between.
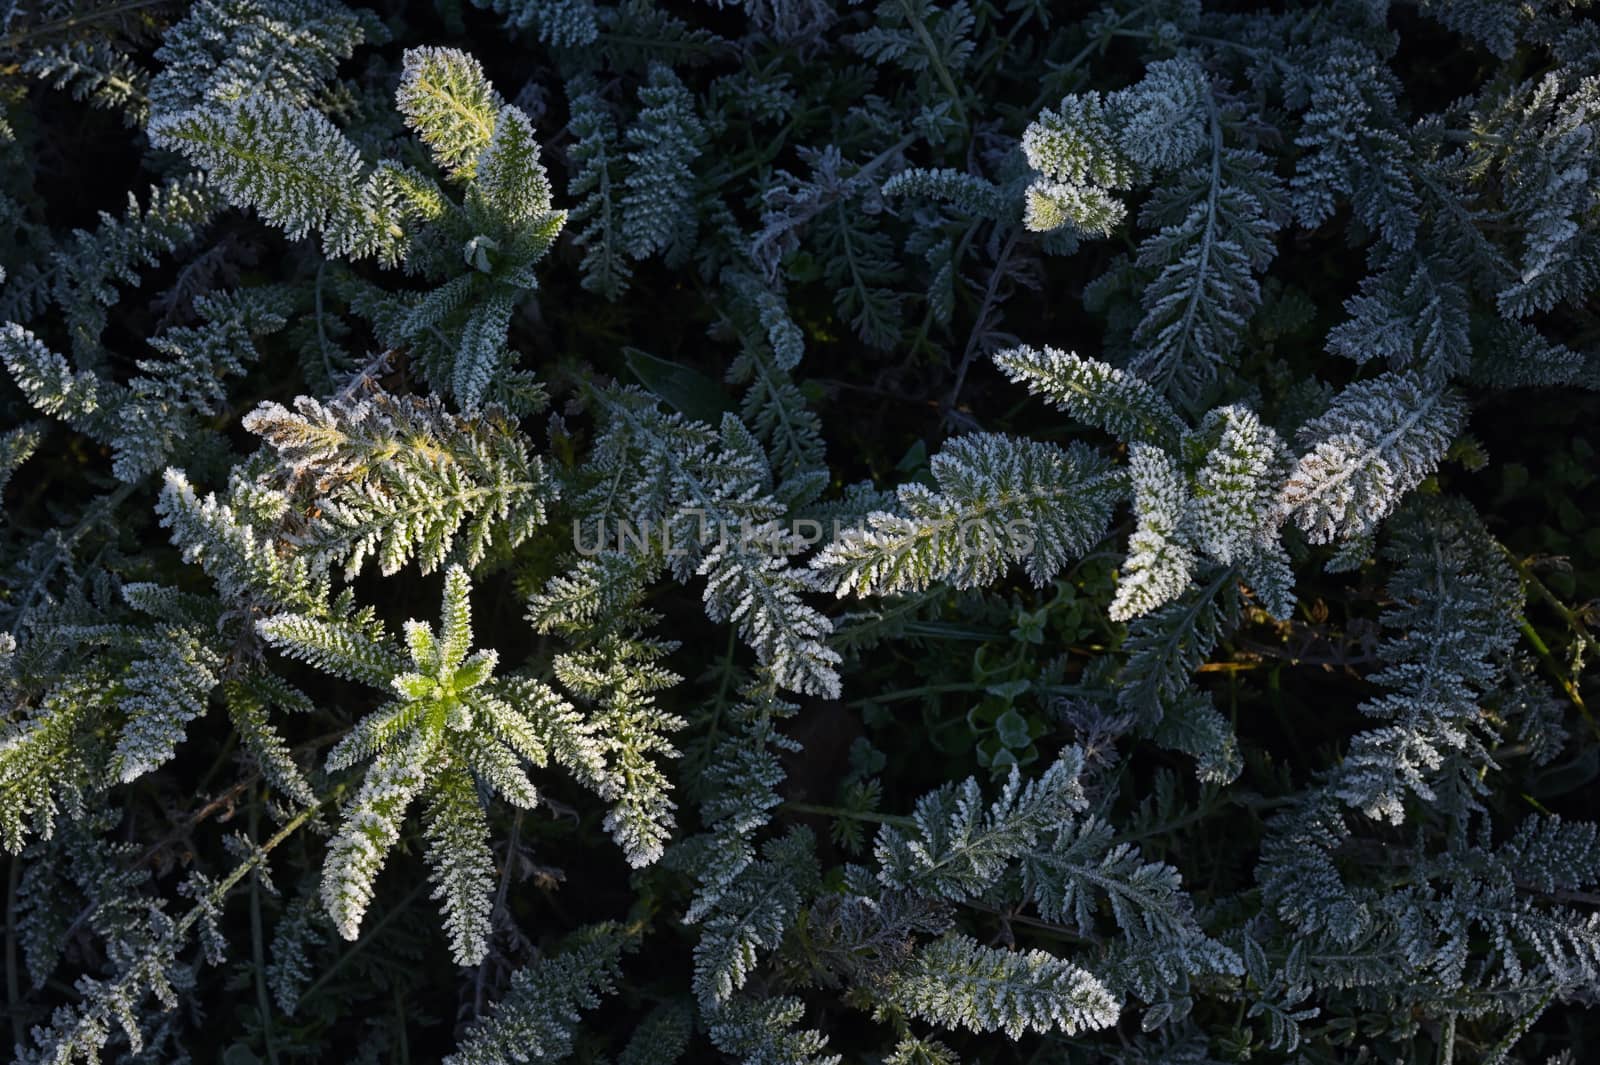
x: 165, y: 689
x: 1454, y: 598
x: 603, y: 589
x: 45, y: 377
x: 1354, y: 146
x: 708, y: 496
x: 751, y: 916
x: 296, y: 169
x: 510, y: 184
x: 658, y: 213
x: 998, y: 500
x: 597, y: 187
x: 1082, y: 866
x: 336, y: 647
x: 1234, y: 489
x: 750, y: 919
x: 914, y: 1051
x: 1159, y: 562
x: 394, y: 478
x: 370, y: 829
x: 1213, y: 233
x: 1544, y: 159
x: 1410, y: 314
x: 536, y: 1019
x: 1376, y: 443
x: 764, y: 1030
x: 773, y: 405
x: 448, y: 102
x: 17, y: 445
x: 742, y: 779
x: 224, y: 50
x: 1192, y: 725
x: 1268, y: 574
x: 1167, y: 645
x: 622, y: 674
x: 1074, y: 152
x: 958, y: 983
x: 969, y: 194
x: 81, y: 272
x: 244, y: 564
x: 187, y: 381
x: 662, y: 1038
x: 248, y: 701
x: 1492, y: 23
x: 96, y: 73
x: 1095, y: 393
x: 290, y: 972
x: 1161, y: 120
x: 43, y: 771
x: 959, y: 848
x: 463, y: 866
x: 558, y: 23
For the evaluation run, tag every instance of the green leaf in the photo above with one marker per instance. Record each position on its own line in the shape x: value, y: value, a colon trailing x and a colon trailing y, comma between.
x: 1010, y: 689
x: 1013, y: 730
x: 689, y: 392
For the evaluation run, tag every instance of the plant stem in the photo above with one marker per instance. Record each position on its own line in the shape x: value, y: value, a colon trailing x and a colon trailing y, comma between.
x: 13, y: 981
x: 934, y: 59
x: 913, y: 693
x: 69, y: 22
x: 1498, y: 1053
x: 481, y: 980
x: 248, y: 866
x: 1058, y: 930
x: 722, y: 690
x: 400, y: 1024
x: 1447, y: 1041
x: 1573, y: 623
x: 990, y: 295
x: 853, y: 815
x: 258, y: 951
x: 369, y: 936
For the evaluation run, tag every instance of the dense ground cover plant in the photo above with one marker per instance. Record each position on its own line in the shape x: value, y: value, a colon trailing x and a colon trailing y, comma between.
x: 944, y: 531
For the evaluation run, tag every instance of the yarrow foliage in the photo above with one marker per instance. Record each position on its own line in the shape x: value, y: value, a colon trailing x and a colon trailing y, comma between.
x: 793, y: 532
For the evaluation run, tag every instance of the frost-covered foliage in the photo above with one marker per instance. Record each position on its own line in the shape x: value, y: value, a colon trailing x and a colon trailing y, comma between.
x: 796, y: 532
